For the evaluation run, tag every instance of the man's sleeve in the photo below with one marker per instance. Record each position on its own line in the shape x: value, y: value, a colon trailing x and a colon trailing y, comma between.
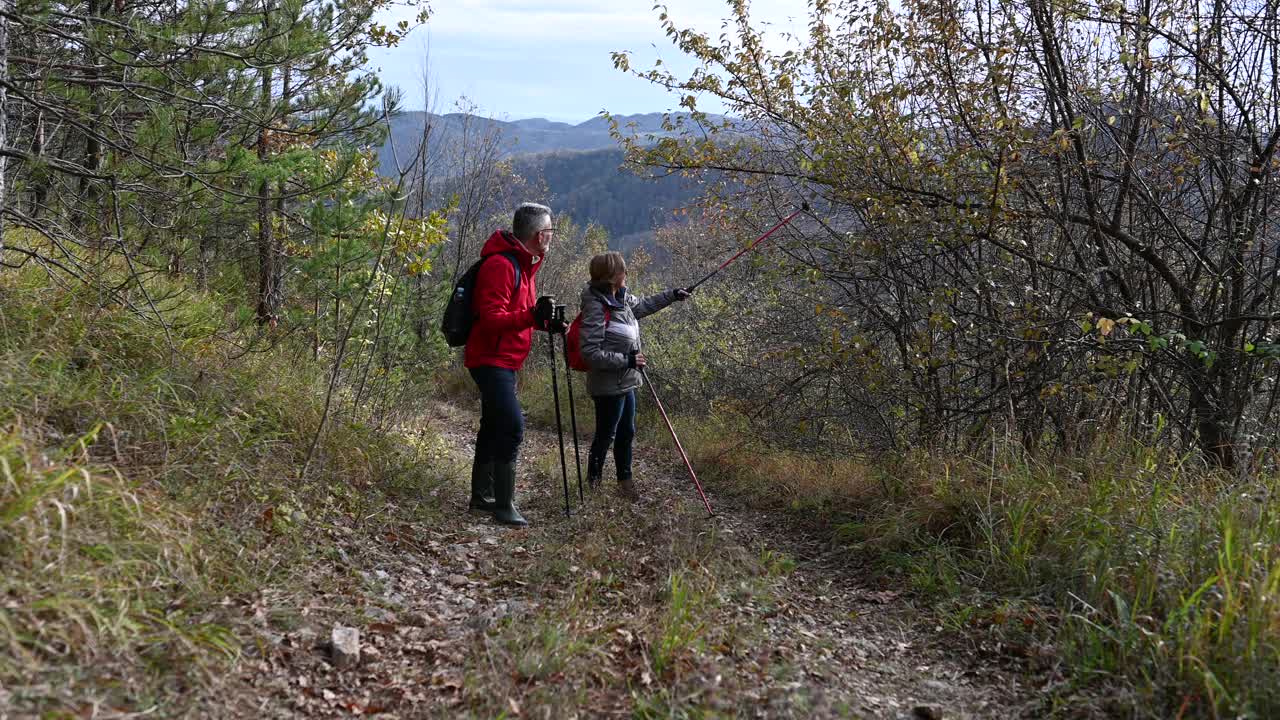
x: 495, y: 283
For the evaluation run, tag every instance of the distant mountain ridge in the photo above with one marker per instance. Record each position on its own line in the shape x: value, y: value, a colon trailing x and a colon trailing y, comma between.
x: 519, y: 137
x: 579, y: 164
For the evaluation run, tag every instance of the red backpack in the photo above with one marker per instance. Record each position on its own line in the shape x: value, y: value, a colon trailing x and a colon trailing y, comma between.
x: 574, y: 338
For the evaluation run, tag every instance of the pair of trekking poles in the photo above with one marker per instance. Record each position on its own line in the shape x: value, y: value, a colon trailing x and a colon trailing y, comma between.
x: 558, y: 314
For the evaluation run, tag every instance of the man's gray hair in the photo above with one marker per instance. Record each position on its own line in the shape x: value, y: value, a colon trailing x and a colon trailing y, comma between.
x: 529, y: 220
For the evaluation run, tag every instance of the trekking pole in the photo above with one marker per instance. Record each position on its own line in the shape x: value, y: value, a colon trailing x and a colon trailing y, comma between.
x: 555, y: 394
x: 803, y: 207
x: 573, y: 411
x: 683, y: 456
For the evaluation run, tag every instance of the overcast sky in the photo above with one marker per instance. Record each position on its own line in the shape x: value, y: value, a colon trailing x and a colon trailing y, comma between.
x: 519, y: 59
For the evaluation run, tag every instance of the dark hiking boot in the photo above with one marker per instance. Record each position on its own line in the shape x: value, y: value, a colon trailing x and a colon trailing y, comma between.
x: 627, y: 488
x: 504, y: 495
x: 481, y: 488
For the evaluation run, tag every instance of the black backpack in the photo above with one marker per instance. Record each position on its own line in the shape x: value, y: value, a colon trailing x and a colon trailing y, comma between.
x: 458, y: 317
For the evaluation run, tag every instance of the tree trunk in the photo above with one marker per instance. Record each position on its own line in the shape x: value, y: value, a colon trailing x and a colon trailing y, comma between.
x: 315, y: 324
x: 87, y: 190
x: 278, y: 238
x: 40, y: 191
x: 6, y: 6
x: 1212, y: 421
x: 421, y: 317
x: 268, y: 257
x: 205, y: 258
x: 270, y: 272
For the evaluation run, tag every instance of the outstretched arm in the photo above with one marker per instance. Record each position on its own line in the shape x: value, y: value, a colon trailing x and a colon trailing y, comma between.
x: 657, y: 301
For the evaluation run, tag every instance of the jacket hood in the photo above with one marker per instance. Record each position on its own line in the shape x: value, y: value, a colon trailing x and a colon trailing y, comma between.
x: 503, y: 241
x: 591, y: 292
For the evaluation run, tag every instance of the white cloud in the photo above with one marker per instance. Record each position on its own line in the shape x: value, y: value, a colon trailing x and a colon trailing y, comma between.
x: 554, y: 56
x: 527, y: 22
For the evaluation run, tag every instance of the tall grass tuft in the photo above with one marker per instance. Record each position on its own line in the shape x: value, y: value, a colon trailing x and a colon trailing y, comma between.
x: 93, y: 567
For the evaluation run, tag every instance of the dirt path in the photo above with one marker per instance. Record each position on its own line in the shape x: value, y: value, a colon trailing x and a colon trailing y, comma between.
x: 645, y: 610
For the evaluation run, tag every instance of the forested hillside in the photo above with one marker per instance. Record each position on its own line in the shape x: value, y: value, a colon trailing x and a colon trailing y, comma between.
x: 990, y: 424
x: 596, y: 187
x: 578, y: 169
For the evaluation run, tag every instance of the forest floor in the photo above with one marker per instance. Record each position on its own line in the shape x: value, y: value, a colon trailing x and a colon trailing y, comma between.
x: 649, y: 609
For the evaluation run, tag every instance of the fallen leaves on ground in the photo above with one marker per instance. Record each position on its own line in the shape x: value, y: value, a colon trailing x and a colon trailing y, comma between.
x: 621, y: 610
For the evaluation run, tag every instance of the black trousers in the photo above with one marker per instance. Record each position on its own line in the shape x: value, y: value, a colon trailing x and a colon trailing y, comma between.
x: 501, y: 421
x: 615, y: 425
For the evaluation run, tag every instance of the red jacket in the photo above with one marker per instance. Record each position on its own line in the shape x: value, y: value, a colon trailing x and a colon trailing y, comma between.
x: 503, y: 331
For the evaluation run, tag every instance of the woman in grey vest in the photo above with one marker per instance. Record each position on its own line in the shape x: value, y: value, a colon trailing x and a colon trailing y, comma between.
x: 610, y: 344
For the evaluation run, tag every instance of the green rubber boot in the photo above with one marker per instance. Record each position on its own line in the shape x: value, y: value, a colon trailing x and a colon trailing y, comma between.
x: 481, y: 487
x: 504, y: 495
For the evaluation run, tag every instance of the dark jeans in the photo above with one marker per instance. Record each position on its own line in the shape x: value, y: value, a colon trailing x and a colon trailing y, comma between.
x: 616, y: 425
x: 501, y: 422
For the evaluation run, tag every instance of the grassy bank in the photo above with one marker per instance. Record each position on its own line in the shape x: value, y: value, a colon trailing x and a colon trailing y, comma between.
x: 1127, y: 570
x: 151, y: 490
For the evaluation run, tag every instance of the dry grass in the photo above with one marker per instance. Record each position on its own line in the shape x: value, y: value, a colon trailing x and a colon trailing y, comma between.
x: 636, y: 617
x: 96, y: 568
x: 150, y: 491
x: 1149, y: 580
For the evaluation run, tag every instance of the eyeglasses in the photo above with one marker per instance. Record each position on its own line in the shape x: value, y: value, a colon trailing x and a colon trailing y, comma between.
x: 549, y: 231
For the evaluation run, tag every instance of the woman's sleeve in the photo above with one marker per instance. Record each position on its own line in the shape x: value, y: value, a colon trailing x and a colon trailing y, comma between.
x: 651, y: 304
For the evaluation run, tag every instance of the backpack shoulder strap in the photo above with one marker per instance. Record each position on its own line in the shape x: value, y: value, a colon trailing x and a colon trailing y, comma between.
x: 515, y: 265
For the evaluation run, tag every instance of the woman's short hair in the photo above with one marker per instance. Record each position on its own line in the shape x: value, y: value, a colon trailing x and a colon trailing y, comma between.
x: 605, y: 266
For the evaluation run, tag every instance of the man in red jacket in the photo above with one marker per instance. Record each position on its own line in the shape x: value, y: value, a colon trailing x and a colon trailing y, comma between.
x: 506, y: 315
